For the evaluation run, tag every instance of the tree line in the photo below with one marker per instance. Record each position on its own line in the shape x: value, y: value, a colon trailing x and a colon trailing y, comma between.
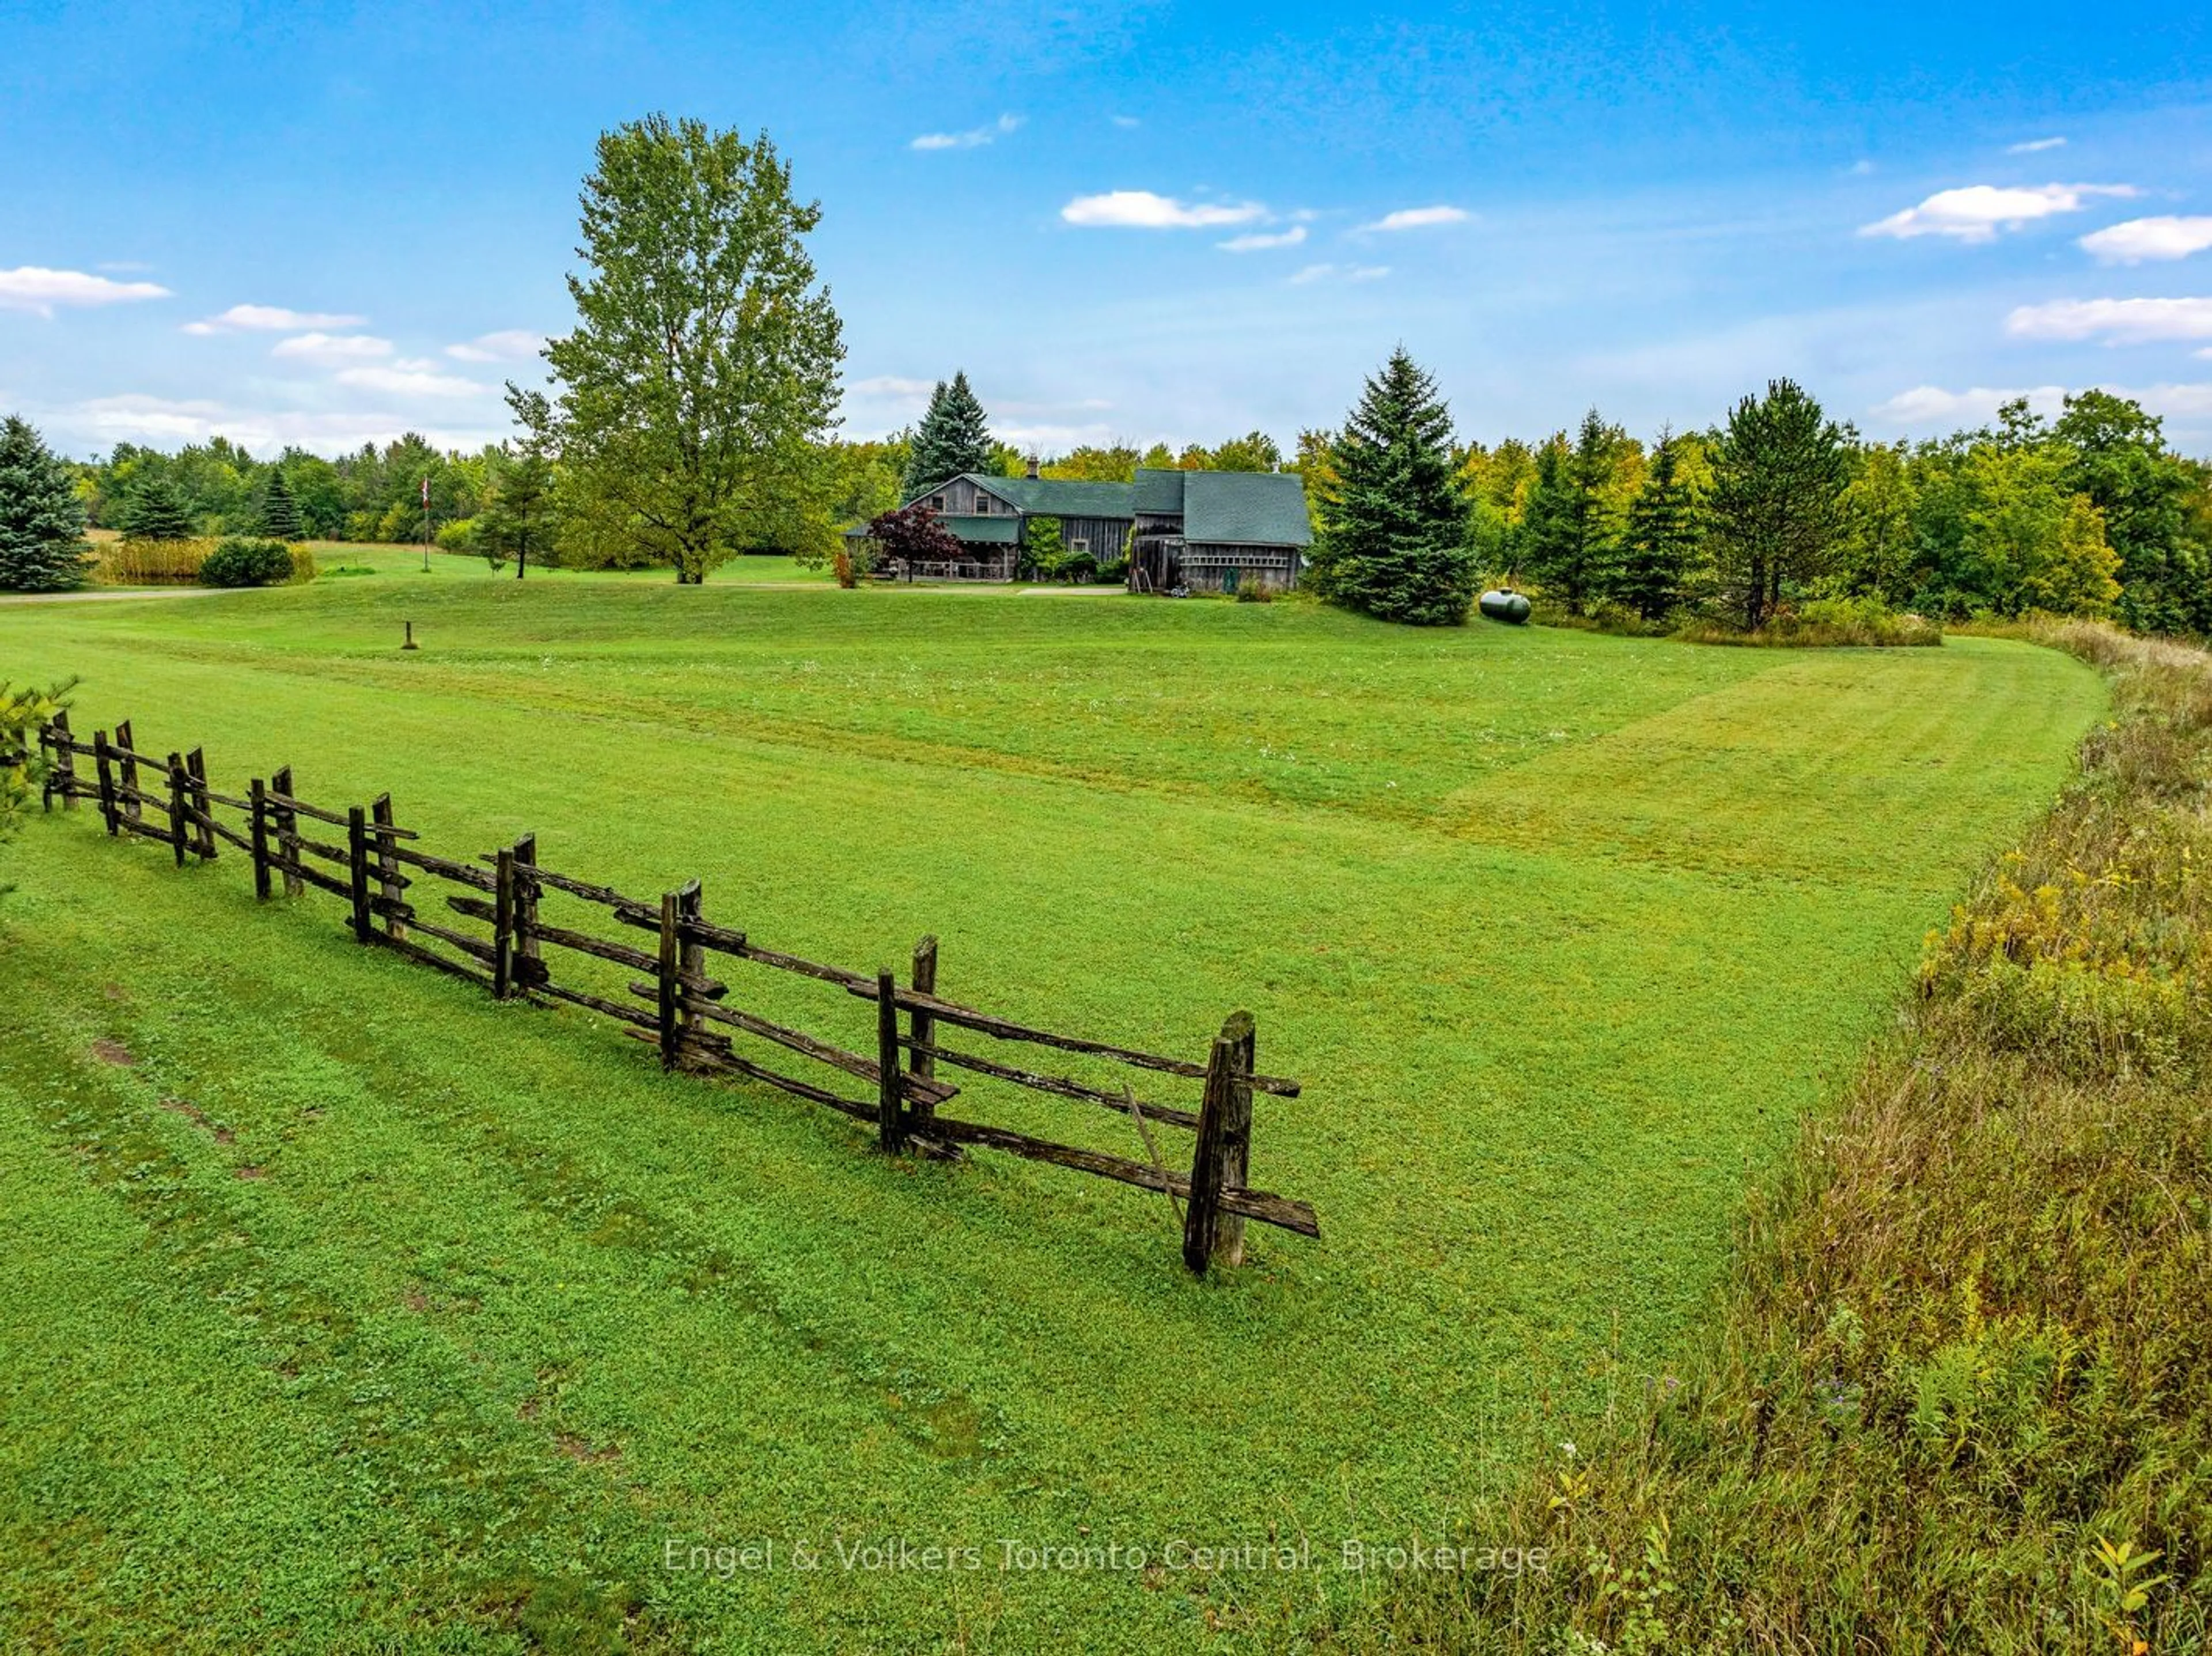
x: 2091, y: 512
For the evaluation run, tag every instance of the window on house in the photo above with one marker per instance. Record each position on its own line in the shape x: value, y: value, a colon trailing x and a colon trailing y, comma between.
x: 983, y: 503
x: 1078, y: 547
x: 937, y: 503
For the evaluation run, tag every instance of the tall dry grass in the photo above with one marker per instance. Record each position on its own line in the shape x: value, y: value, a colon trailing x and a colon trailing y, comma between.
x: 1956, y: 1394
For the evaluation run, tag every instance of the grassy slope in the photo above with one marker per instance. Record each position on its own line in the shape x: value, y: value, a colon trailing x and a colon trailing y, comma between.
x: 1560, y: 930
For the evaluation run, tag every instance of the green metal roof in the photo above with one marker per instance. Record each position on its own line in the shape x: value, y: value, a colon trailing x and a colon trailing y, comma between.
x: 1061, y: 497
x: 1159, y: 491
x: 983, y: 530
x: 1245, y: 508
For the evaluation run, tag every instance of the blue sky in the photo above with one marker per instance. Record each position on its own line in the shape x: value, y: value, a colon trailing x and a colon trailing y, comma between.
x: 324, y: 225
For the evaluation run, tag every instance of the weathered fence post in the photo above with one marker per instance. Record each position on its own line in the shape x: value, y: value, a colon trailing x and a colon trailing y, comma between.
x: 180, y: 788
x: 690, y: 962
x: 103, y: 762
x: 502, y: 926
x: 196, y: 770
x: 921, y: 1026
x: 129, y: 756
x: 1224, y: 1122
x: 891, y: 1131
x: 288, y: 835
x: 364, y: 927
x: 61, y: 777
x: 388, y: 885
x: 672, y: 955
x: 525, y: 910
x: 1237, y: 1148
x: 257, y: 801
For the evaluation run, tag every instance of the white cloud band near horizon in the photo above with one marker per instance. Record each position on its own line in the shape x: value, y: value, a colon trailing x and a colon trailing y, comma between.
x: 1261, y: 240
x: 140, y: 418
x: 2114, y: 321
x: 2138, y: 240
x: 503, y: 345
x: 41, y: 291
x: 328, y: 350
x: 1976, y: 212
x: 1932, y: 406
x: 1143, y: 210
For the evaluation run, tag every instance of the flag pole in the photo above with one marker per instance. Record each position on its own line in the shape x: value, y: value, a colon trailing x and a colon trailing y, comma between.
x: 425, y: 523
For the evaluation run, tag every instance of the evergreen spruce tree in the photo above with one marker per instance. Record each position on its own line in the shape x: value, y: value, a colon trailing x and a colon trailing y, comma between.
x: 279, y: 513
x: 41, y: 518
x: 157, y: 511
x: 954, y: 436
x: 1569, y: 545
x: 1394, y: 528
x: 1779, y: 472
x: 1661, y: 539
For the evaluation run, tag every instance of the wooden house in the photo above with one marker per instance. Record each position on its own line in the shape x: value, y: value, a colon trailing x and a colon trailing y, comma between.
x: 1205, y: 530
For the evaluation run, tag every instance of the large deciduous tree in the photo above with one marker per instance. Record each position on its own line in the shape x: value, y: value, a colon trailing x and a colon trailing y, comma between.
x: 913, y: 535
x: 691, y: 397
x: 954, y: 437
x: 1779, y: 472
x: 2119, y: 459
x: 41, y: 515
x: 1394, y: 530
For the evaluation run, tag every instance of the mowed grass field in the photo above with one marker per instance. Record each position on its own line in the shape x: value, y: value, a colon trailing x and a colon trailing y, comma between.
x: 343, y: 1308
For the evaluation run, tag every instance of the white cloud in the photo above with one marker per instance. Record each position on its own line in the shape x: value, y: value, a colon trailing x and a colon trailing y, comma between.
x: 2034, y: 145
x: 270, y: 318
x: 138, y: 417
x: 507, y: 345
x: 1930, y: 404
x: 332, y: 351
x: 1313, y: 273
x: 1140, y: 209
x: 1978, y: 211
x: 974, y: 138
x: 2115, y: 321
x: 1125, y: 122
x: 409, y: 377
x: 34, y: 288
x: 2137, y: 240
x: 1420, y: 218
x: 1259, y: 240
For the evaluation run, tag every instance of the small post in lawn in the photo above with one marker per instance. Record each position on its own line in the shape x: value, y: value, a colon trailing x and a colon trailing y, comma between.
x: 503, y: 927
x: 526, y: 912
x: 287, y: 833
x: 921, y: 1026
x: 891, y: 1131
x: 672, y: 955
x: 61, y: 780
x: 103, y: 762
x: 388, y: 885
x: 129, y: 757
x: 196, y: 768
x: 364, y: 928
x: 1225, y: 1136
x: 180, y: 788
x: 257, y: 796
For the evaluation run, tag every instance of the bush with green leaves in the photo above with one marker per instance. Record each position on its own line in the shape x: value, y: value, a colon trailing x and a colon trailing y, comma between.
x: 242, y: 562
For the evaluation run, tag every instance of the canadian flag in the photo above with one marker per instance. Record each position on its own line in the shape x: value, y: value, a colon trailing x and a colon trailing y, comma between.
x: 426, y: 491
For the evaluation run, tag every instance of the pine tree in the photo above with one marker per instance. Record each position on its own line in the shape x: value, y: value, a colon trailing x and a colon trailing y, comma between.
x: 41, y: 518
x: 1661, y: 539
x: 1779, y: 473
x: 279, y: 513
x: 1569, y: 539
x: 1393, y: 539
x: 518, y: 520
x: 954, y: 436
x: 157, y: 511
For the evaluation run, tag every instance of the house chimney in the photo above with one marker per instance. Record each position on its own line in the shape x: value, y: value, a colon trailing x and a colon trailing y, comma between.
x: 1030, y: 467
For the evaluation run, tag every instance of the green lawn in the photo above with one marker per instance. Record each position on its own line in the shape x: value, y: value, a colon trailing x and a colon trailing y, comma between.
x: 357, y: 1312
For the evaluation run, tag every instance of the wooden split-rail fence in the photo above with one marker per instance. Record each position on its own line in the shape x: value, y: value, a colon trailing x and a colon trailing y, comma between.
x: 361, y: 856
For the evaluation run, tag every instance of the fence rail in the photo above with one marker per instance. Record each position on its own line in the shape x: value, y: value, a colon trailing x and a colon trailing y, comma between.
x: 380, y: 872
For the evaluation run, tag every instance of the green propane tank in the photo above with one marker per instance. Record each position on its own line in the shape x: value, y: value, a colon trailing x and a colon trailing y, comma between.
x: 1509, y: 607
